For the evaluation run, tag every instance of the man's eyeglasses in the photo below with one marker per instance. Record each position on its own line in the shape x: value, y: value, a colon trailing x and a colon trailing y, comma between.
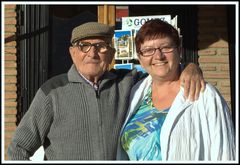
x: 101, y: 47
x: 151, y: 51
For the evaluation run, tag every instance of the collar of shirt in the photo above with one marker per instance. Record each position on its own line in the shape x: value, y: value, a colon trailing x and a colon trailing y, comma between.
x: 94, y: 85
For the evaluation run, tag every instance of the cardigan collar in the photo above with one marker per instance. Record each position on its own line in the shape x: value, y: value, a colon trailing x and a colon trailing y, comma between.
x: 74, y: 76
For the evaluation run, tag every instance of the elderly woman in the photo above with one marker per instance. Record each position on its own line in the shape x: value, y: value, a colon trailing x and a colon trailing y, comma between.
x: 163, y: 125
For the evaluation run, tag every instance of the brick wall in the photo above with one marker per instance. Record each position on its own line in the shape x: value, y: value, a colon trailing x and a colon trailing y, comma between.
x: 10, y: 104
x: 213, y: 48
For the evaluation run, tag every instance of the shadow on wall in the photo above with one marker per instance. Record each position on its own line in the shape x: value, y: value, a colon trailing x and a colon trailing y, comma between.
x: 216, y: 36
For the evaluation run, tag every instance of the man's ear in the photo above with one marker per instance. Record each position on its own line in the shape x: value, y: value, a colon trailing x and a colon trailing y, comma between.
x: 71, y: 51
x: 111, y: 54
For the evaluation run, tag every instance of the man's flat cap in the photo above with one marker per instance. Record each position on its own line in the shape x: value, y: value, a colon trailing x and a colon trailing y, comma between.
x: 92, y: 29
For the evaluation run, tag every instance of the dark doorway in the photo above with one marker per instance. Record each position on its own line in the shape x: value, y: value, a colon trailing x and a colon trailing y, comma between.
x: 63, y: 18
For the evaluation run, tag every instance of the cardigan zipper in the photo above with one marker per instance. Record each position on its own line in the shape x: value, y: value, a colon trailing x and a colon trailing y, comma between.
x: 102, y: 139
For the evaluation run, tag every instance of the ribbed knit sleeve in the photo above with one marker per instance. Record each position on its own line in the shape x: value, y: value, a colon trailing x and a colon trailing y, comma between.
x: 72, y: 120
x: 32, y: 129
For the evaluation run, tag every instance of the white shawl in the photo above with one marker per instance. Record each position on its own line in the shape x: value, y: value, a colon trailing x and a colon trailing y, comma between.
x: 192, y: 131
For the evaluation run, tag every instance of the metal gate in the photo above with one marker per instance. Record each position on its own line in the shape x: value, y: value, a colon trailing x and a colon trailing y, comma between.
x: 32, y: 52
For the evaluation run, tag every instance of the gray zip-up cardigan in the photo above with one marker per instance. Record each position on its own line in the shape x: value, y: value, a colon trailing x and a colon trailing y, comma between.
x: 72, y: 120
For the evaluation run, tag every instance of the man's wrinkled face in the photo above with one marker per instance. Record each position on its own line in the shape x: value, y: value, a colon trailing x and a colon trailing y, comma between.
x: 92, y: 57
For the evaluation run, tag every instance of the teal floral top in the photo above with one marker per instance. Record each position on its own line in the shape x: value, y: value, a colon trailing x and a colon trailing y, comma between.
x: 141, y: 135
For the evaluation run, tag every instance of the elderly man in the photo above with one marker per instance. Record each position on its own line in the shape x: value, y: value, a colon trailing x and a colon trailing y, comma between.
x: 78, y: 115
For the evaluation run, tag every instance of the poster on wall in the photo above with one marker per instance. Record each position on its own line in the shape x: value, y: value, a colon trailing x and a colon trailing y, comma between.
x: 123, y: 44
x: 124, y: 39
x: 129, y: 23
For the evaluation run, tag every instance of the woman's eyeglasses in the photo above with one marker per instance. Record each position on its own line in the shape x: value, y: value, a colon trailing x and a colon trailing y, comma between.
x: 151, y: 51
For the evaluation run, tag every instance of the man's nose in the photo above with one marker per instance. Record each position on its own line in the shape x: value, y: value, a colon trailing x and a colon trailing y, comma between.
x: 93, y: 51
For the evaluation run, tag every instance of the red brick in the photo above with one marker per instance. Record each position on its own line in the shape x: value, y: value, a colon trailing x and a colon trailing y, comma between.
x: 8, y: 134
x: 219, y: 44
x: 218, y: 60
x: 10, y: 95
x: 10, y: 64
x: 11, y: 21
x: 10, y: 104
x: 10, y: 87
x: 207, y: 52
x: 224, y: 67
x: 10, y: 29
x: 213, y: 82
x: 10, y: 35
x: 10, y: 119
x: 10, y: 128
x: 225, y: 83
x: 12, y: 6
x: 10, y: 72
x: 215, y: 75
x: 10, y: 111
x: 10, y: 58
x: 10, y: 79
x: 223, y: 51
x: 227, y: 97
x: 225, y: 90
x: 208, y: 68
x: 10, y: 44
x: 12, y: 50
x: 10, y: 13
